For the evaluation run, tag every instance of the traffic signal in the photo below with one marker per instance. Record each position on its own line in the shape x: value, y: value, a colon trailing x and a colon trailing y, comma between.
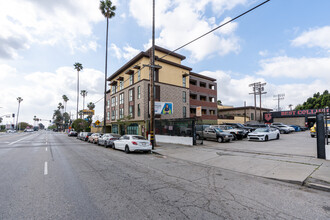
x: 13, y: 115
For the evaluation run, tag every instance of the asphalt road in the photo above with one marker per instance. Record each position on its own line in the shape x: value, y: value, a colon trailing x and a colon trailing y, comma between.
x: 46, y: 175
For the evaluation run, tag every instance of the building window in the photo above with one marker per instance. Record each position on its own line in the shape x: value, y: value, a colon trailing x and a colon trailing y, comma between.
x: 202, y: 84
x: 113, y: 101
x: 121, y: 85
x: 212, y: 112
x: 131, y: 79
x: 183, y: 81
x: 252, y: 116
x: 114, y: 89
x: 130, y: 111
x: 202, y: 98
x: 193, y: 82
x: 138, y: 110
x: 156, y: 93
x: 193, y: 96
x: 113, y: 115
x: 115, y: 129
x: 108, y: 103
x: 138, y: 92
x: 184, y: 97
x: 204, y: 112
x: 133, y: 129
x: 108, y: 116
x: 121, y: 98
x: 121, y: 112
x: 130, y: 95
x: 156, y: 75
x: 139, y: 75
x: 116, y: 100
x: 184, y: 111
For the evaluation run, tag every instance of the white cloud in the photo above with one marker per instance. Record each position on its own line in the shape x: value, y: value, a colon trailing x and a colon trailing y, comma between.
x: 180, y: 21
x: 232, y: 91
x: 263, y: 53
x: 299, y: 68
x: 318, y: 37
x: 23, y: 23
x: 42, y: 91
x: 127, y: 52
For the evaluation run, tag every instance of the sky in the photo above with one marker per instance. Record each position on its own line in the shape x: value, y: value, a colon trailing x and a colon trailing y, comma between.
x: 284, y: 43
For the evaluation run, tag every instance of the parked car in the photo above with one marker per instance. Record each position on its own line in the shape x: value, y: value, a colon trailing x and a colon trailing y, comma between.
x: 240, y: 126
x: 86, y: 136
x: 200, y: 131
x: 130, y: 143
x: 277, y: 123
x: 217, y: 134
x: 94, y: 138
x: 80, y: 135
x: 313, y: 129
x: 296, y: 127
x: 264, y: 134
x: 281, y: 130
x: 238, y: 134
x: 73, y: 134
x: 108, y: 139
x: 28, y: 130
x: 287, y: 127
x: 11, y: 131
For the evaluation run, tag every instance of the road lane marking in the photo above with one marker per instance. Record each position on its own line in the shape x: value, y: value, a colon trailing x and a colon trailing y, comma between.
x: 46, y: 148
x: 46, y: 168
x: 19, y: 140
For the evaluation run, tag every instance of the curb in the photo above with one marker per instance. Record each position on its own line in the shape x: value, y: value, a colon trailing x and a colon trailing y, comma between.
x: 318, y: 184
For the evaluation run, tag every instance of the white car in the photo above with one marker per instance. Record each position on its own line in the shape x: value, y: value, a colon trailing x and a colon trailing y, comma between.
x: 11, y: 131
x: 129, y: 143
x: 264, y: 134
x: 291, y: 129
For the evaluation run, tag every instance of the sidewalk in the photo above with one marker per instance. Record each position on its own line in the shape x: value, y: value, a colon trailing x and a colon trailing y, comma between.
x: 302, y: 170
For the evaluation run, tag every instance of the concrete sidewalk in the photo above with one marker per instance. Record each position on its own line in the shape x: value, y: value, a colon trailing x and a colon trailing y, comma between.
x: 302, y: 170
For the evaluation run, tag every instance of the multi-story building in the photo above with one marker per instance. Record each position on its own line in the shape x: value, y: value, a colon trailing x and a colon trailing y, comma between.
x: 130, y: 91
x: 203, y: 92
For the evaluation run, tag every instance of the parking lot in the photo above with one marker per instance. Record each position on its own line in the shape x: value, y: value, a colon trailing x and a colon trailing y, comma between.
x: 297, y: 143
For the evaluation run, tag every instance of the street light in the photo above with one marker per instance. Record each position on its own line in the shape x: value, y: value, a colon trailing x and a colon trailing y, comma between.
x: 19, y: 99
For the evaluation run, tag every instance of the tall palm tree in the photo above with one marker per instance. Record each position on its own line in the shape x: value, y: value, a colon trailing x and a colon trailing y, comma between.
x: 91, y: 106
x: 65, y: 99
x: 83, y: 93
x: 108, y: 10
x: 78, y: 67
x: 19, y: 99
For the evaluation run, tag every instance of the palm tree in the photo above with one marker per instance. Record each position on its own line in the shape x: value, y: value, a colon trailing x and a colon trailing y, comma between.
x: 83, y: 93
x: 19, y: 99
x: 108, y: 10
x: 78, y: 67
x: 65, y: 99
x: 91, y: 106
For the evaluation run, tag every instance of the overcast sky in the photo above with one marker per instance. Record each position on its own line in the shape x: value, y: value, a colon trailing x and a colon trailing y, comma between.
x: 285, y: 43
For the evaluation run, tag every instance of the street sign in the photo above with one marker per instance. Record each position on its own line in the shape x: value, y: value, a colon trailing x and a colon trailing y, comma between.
x: 88, y: 112
x: 97, y: 122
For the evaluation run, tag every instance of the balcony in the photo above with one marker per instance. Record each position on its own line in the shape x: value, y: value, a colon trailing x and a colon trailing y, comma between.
x: 203, y: 103
x: 202, y: 90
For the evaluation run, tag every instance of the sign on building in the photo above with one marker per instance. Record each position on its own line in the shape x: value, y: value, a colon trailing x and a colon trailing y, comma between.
x: 164, y: 108
x: 199, y: 111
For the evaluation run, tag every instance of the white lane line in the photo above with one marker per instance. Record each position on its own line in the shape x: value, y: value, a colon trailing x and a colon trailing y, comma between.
x: 19, y: 140
x: 46, y: 168
x: 46, y: 149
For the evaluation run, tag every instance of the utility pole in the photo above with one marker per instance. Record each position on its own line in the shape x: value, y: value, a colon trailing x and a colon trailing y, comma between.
x: 279, y: 97
x: 261, y: 92
x: 152, y: 95
x: 244, y: 112
x: 255, y: 88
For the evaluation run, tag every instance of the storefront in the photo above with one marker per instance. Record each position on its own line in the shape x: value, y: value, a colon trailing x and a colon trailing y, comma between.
x: 295, y: 117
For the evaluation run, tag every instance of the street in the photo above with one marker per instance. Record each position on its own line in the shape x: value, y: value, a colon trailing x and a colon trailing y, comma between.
x: 48, y: 175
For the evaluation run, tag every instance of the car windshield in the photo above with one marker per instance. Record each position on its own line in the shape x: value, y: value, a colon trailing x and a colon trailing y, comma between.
x: 218, y: 129
x: 138, y: 138
x: 262, y: 130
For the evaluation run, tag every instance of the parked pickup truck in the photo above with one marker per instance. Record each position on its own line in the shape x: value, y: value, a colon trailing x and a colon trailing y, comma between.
x: 238, y: 134
x: 217, y: 134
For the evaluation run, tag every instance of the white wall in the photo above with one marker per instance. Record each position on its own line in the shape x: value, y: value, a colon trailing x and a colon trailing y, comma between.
x: 173, y: 139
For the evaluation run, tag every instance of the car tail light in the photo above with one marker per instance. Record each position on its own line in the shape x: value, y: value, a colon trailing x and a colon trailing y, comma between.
x: 150, y: 143
x: 113, y: 138
x: 133, y: 142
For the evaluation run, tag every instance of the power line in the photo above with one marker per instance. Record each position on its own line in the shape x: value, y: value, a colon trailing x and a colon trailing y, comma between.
x: 278, y: 97
x: 214, y: 29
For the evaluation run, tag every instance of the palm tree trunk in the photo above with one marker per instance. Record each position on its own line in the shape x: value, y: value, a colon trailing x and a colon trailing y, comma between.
x: 17, y: 114
x: 105, y: 78
x: 77, y: 92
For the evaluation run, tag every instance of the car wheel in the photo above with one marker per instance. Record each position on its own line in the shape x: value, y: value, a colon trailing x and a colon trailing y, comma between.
x: 235, y: 137
x: 98, y: 143
x: 126, y: 149
x: 282, y: 132
x: 278, y: 136
x: 113, y: 146
x: 266, y: 138
x: 220, y: 139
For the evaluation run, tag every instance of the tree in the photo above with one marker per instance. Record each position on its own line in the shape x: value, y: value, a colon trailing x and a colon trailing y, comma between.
x: 60, y: 106
x: 65, y: 99
x: 58, y: 119
x: 83, y: 93
x: 108, y: 10
x: 91, y: 106
x: 219, y: 102
x: 0, y: 120
x: 315, y: 102
x: 78, y: 67
x: 80, y: 125
x: 23, y: 125
x: 19, y: 99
